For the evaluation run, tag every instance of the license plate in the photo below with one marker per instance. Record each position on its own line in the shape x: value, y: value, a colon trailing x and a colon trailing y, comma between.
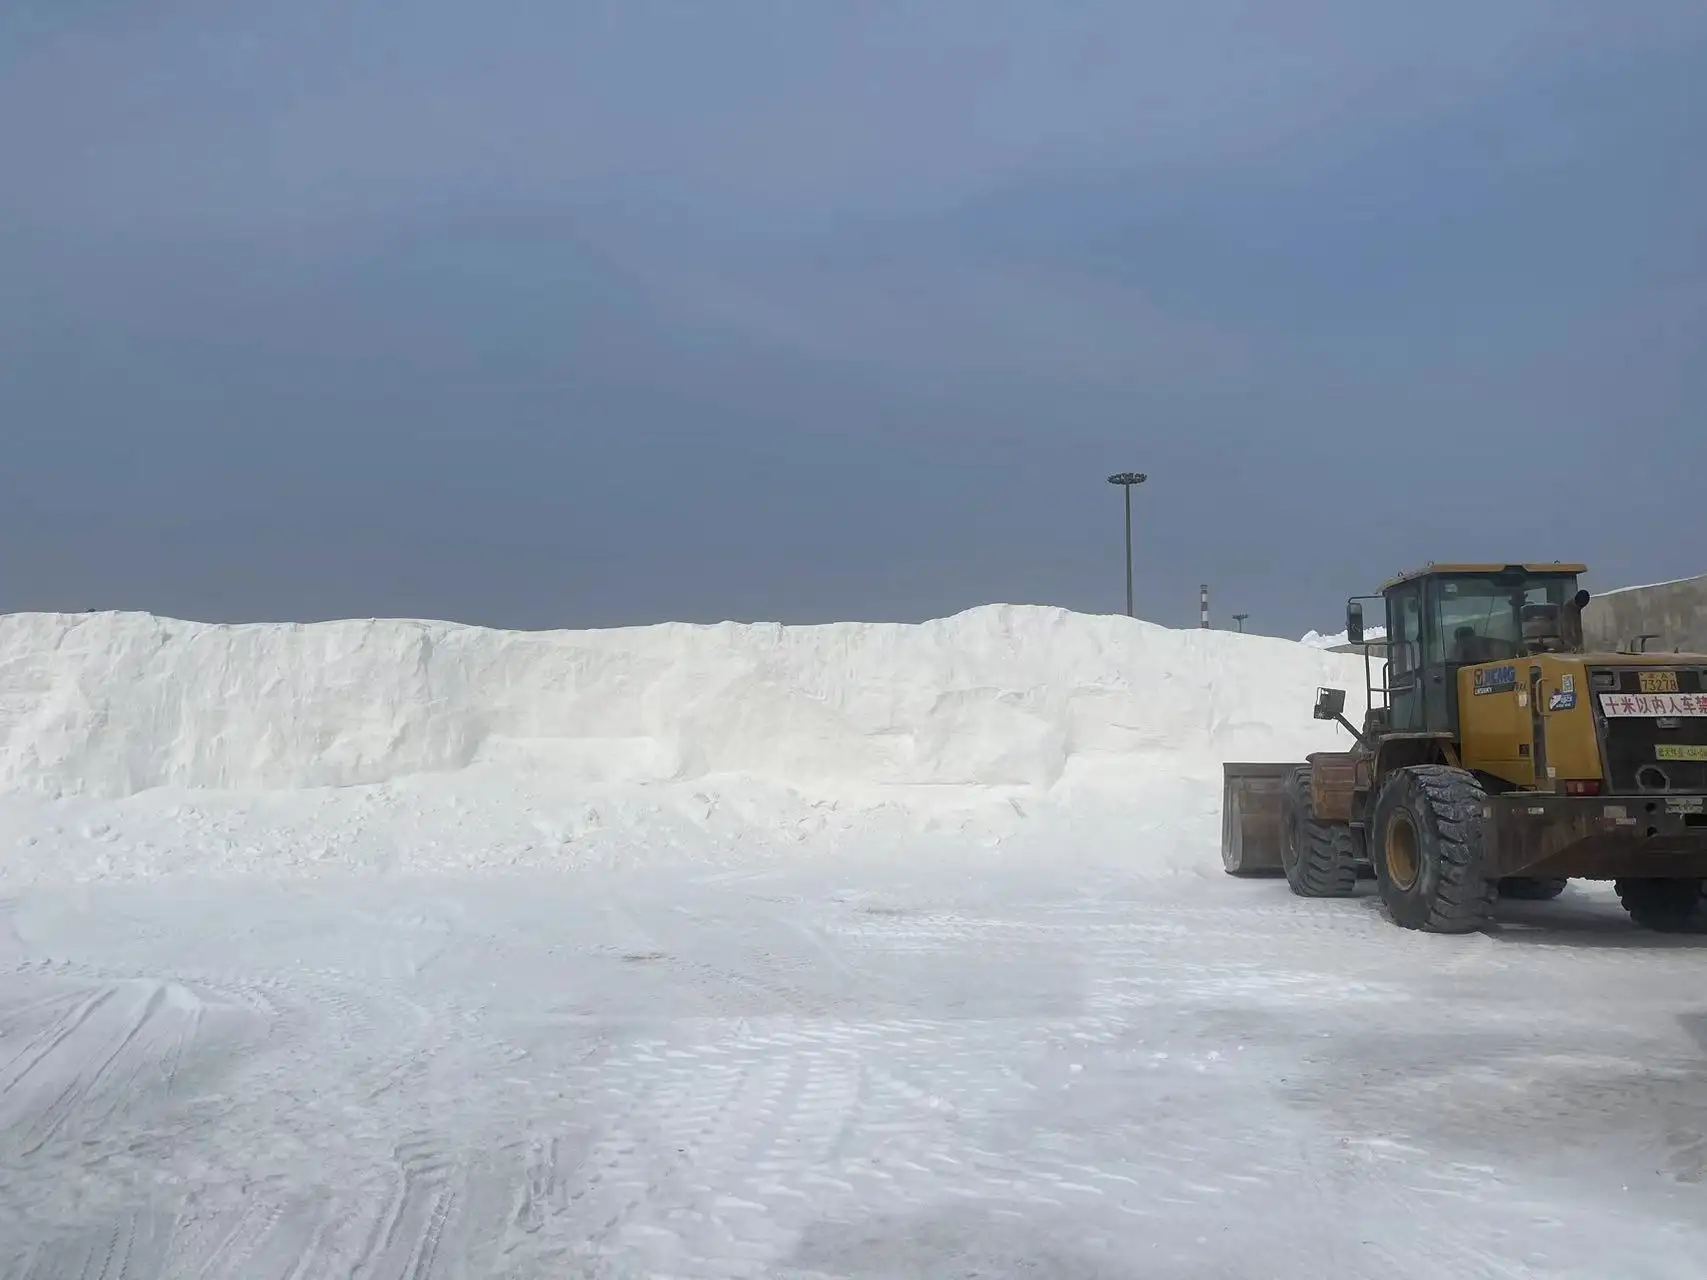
x: 1658, y: 681
x: 1674, y: 751
x: 1653, y: 704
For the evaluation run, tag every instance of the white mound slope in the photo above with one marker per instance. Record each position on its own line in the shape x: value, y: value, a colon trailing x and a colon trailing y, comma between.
x: 1316, y: 640
x: 1012, y: 701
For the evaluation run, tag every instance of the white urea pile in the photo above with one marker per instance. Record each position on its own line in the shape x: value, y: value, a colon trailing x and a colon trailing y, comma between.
x: 1019, y: 710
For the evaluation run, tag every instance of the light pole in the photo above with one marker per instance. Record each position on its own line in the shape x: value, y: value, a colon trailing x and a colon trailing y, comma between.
x: 1126, y: 479
x: 1240, y: 619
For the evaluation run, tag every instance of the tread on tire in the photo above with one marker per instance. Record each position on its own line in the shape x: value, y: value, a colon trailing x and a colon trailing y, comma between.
x: 1665, y: 906
x: 1428, y: 845
x: 1318, y: 857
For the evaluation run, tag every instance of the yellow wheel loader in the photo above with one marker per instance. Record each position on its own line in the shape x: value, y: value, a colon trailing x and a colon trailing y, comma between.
x: 1496, y: 757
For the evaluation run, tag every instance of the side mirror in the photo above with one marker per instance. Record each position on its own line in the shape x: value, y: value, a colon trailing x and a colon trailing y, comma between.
x: 1354, y: 622
x: 1581, y: 600
x: 1330, y: 704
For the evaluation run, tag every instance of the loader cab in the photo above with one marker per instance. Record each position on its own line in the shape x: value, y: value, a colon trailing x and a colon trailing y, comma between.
x: 1444, y: 617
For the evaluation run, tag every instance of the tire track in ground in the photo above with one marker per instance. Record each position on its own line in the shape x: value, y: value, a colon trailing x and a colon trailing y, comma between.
x: 405, y: 1241
x: 802, y: 1073
x: 666, y: 1159
x: 699, y: 1165
x: 131, y: 1248
x: 316, y: 1043
x: 958, y: 1062
x: 380, y: 1132
x: 263, y: 1231
x: 92, y: 1055
x: 13, y: 952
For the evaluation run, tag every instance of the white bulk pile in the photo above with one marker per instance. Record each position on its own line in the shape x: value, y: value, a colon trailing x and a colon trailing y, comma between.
x: 1337, y: 639
x: 362, y: 743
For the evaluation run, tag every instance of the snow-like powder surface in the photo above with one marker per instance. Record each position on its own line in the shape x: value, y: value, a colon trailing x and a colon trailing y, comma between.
x: 108, y: 705
x: 389, y: 950
x: 872, y: 1068
x: 1316, y: 640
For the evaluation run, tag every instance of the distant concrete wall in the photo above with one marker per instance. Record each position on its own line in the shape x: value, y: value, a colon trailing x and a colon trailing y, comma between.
x: 1675, y: 611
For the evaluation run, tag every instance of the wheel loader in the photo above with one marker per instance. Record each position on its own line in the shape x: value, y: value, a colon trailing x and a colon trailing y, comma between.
x: 1496, y: 758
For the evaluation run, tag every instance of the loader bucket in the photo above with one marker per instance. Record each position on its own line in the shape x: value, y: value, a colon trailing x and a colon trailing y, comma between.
x: 1252, y: 807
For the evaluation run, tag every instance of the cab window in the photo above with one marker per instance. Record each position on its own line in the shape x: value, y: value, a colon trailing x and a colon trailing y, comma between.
x: 1483, y: 619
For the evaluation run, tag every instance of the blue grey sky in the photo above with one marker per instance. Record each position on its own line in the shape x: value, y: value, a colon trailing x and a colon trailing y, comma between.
x: 545, y: 313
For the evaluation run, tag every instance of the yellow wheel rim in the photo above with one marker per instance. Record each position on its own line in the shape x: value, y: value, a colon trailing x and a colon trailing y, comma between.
x: 1402, y: 859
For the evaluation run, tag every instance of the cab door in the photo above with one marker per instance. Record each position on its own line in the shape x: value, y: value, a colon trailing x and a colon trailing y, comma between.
x: 1405, y: 685
x: 1440, y: 662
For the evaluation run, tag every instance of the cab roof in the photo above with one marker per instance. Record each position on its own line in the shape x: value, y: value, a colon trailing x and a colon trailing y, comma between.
x: 1432, y: 570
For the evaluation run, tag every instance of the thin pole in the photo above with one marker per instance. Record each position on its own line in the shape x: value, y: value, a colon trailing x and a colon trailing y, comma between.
x: 1126, y: 479
x: 1130, y: 612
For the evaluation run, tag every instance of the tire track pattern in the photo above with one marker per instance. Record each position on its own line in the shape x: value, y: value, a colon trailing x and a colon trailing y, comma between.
x: 1085, y: 1064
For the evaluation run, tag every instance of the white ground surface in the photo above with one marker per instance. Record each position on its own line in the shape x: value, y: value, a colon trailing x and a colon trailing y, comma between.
x: 982, y: 1066
x: 402, y: 950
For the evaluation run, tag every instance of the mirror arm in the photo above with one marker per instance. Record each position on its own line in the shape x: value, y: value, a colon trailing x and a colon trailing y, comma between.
x: 1356, y: 733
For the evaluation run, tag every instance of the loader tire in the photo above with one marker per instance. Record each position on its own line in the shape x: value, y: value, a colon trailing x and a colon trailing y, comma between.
x: 1530, y: 889
x: 1318, y: 857
x: 1428, y: 844
x: 1665, y: 906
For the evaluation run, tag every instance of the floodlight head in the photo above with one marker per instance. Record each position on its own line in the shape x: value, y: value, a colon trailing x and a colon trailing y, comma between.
x: 1128, y: 478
